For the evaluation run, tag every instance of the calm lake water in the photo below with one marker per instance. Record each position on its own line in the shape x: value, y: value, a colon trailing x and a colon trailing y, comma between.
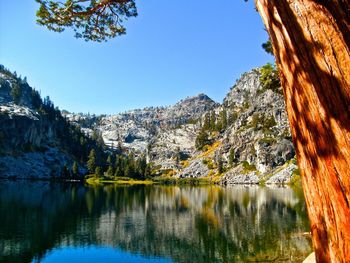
x: 51, y: 222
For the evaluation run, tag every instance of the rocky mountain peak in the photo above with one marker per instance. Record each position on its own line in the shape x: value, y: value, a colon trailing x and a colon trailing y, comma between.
x: 245, y: 88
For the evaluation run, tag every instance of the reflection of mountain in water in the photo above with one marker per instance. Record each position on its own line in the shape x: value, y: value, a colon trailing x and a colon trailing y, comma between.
x: 199, y: 224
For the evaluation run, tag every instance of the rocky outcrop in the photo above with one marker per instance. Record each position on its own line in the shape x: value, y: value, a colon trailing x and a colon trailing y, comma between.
x: 35, y: 140
x: 283, y: 175
x: 22, y: 127
x: 239, y: 178
x: 196, y: 169
x: 252, y: 146
x: 35, y: 165
x: 162, y: 133
x: 258, y: 133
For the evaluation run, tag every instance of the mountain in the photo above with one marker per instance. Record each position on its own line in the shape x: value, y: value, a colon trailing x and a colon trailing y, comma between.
x: 36, y: 141
x: 251, y: 144
x: 245, y: 139
x: 159, y: 132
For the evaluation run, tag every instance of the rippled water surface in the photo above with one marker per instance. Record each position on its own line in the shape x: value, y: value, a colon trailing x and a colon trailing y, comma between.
x: 51, y: 222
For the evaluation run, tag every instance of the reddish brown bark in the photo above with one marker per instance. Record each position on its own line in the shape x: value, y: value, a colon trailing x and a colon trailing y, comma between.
x: 311, y: 41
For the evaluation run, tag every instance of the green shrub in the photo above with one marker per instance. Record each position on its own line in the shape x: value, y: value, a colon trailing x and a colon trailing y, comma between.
x: 248, y: 167
x: 269, y: 78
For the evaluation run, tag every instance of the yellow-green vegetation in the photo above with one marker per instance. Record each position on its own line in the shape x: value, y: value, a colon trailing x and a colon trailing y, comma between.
x: 209, y: 163
x: 168, y: 172
x: 216, y: 177
x: 209, y: 149
x: 118, y: 180
x: 155, y: 169
x: 184, y: 164
x: 269, y: 78
x: 180, y: 181
x: 296, y: 178
x: 248, y: 167
x: 166, y: 180
x: 268, y: 140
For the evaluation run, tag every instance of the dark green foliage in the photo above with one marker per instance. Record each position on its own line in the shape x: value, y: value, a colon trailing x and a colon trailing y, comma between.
x: 248, y: 167
x: 206, y: 124
x: 245, y: 105
x: 69, y: 137
x: 65, y: 171
x: 117, y: 172
x: 267, y: 46
x: 268, y: 140
x: 92, y: 20
x: 110, y: 171
x: 269, y: 78
x: 16, y: 92
x: 269, y: 122
x: 232, y: 156
x: 232, y: 117
x: 202, y: 140
x: 224, y: 118
x: 91, y: 163
x: 212, y: 121
x: 75, y: 169
x: 256, y: 120
x: 129, y: 166
x: 220, y: 164
x: 36, y: 99
x: 98, y: 172
x: 262, y: 122
x: 109, y: 160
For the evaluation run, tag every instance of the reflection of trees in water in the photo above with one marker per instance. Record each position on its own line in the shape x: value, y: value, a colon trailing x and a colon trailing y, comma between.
x: 188, y: 224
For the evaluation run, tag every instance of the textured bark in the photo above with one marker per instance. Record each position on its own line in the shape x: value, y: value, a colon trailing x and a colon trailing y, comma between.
x: 311, y: 43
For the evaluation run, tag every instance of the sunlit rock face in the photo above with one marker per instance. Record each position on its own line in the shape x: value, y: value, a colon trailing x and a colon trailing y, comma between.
x: 261, y: 134
x: 258, y: 133
x: 29, y: 141
x: 183, y: 224
x: 158, y: 132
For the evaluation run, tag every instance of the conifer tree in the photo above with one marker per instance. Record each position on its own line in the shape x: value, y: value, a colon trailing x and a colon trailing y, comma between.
x: 206, y: 123
x: 16, y: 92
x: 98, y: 172
x: 212, y: 121
x: 91, y: 163
x: 202, y: 139
x: 220, y: 164
x: 75, y: 168
x: 224, y: 118
x: 65, y: 171
x: 110, y: 170
x: 232, y: 157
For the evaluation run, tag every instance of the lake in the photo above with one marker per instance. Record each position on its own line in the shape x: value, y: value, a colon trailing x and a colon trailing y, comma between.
x: 56, y: 222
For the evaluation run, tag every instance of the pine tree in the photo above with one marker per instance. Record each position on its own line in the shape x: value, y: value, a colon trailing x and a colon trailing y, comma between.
x: 75, y: 168
x: 232, y: 157
x: 117, y: 172
x: 212, y: 121
x: 206, y: 124
x: 91, y: 163
x: 110, y: 171
x: 202, y: 140
x: 109, y: 160
x: 16, y: 92
x: 220, y: 164
x: 98, y: 172
x: 65, y: 171
x: 224, y: 118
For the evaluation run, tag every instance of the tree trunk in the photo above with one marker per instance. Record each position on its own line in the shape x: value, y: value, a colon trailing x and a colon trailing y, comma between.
x: 311, y: 44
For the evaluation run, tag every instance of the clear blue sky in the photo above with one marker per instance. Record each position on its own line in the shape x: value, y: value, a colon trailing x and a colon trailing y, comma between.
x: 172, y: 50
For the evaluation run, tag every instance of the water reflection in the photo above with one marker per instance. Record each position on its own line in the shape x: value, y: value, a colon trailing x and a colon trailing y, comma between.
x: 181, y: 224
